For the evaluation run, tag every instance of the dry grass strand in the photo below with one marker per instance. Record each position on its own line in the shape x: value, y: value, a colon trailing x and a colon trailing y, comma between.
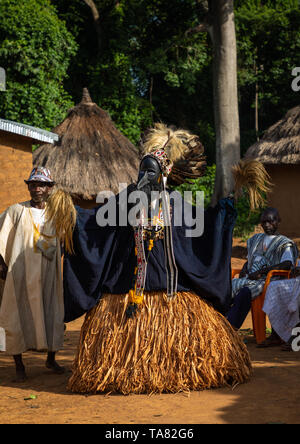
x: 251, y: 175
x: 61, y: 211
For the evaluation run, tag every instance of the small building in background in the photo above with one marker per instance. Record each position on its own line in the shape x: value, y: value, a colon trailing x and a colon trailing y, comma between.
x: 16, y: 141
x: 279, y: 151
x: 91, y: 155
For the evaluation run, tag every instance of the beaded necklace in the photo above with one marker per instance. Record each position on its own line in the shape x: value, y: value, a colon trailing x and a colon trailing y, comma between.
x: 145, y: 232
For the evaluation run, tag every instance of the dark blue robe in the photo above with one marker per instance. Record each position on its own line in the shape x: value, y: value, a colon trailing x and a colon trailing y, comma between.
x: 104, y: 261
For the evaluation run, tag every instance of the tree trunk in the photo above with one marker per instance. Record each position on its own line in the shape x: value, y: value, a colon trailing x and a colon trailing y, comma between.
x: 96, y: 18
x: 256, y: 103
x: 226, y: 114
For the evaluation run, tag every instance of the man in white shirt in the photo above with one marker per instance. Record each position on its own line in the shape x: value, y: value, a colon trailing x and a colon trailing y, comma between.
x: 31, y: 304
x: 266, y: 251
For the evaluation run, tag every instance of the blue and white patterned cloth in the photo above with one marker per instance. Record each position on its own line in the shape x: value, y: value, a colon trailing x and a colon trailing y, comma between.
x: 281, y: 305
x: 264, y: 250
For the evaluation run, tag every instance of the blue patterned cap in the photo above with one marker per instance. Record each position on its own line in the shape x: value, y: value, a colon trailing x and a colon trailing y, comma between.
x: 40, y: 174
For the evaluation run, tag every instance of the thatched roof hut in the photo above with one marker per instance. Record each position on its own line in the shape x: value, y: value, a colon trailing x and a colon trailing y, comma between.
x: 280, y: 144
x: 279, y: 151
x: 91, y: 155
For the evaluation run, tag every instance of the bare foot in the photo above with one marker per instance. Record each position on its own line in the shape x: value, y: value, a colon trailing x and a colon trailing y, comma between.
x: 55, y: 367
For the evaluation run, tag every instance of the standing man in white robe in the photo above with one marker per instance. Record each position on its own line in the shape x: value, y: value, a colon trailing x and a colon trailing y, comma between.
x: 31, y: 303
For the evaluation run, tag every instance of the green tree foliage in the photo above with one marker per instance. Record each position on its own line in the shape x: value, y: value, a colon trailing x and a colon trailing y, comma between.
x: 268, y: 49
x: 147, y: 68
x: 246, y: 220
x: 205, y: 184
x: 150, y: 65
x: 35, y: 50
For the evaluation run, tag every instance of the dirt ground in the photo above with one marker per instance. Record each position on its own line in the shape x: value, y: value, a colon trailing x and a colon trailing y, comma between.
x: 272, y: 396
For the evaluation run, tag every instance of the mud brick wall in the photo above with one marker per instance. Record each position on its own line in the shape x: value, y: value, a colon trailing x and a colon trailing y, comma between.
x: 285, y: 196
x: 15, y: 166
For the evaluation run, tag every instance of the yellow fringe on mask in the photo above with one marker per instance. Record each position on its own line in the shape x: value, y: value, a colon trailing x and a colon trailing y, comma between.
x: 172, y: 345
x: 251, y: 175
x: 61, y: 211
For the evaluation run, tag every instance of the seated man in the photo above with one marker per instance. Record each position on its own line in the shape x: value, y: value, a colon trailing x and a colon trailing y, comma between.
x: 282, y: 303
x: 266, y: 251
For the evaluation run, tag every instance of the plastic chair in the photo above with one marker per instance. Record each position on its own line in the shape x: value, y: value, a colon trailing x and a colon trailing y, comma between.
x: 258, y: 315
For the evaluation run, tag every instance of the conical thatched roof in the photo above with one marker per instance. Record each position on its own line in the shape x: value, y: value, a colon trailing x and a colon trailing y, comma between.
x: 281, y: 142
x: 91, y: 154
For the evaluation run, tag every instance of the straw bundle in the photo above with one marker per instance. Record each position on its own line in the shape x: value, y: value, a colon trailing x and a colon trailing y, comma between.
x: 169, y: 346
x: 252, y: 175
x: 61, y: 211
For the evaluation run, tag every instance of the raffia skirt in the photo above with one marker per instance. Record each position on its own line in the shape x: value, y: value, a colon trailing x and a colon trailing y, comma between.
x: 173, y: 345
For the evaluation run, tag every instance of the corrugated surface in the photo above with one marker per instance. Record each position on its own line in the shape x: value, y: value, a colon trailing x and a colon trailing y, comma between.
x: 28, y: 131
